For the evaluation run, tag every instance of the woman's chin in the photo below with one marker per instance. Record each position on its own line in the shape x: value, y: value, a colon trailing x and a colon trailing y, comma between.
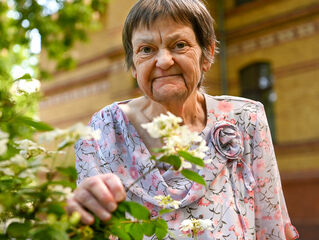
x: 169, y: 95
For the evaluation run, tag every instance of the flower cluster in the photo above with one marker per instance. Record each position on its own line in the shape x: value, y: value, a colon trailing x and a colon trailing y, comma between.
x: 23, y: 86
x: 62, y: 193
x: 18, y: 165
x: 70, y: 135
x: 163, y: 126
x: 195, y: 225
x: 29, y: 148
x: 167, y: 201
x: 3, y: 142
x: 175, y: 137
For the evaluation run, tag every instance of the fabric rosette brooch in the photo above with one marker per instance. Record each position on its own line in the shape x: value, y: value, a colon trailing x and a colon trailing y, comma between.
x: 227, y: 140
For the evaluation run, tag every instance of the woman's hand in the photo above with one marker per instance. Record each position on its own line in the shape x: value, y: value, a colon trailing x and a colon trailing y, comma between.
x: 99, y: 194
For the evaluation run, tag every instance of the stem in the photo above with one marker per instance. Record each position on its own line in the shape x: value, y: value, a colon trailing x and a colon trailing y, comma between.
x: 140, y: 177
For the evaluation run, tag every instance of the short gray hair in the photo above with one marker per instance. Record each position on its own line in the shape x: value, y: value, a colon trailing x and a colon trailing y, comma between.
x: 192, y: 12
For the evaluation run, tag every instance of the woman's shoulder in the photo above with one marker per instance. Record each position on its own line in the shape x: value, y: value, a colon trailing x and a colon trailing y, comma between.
x: 229, y: 98
x: 114, y: 109
x: 234, y: 103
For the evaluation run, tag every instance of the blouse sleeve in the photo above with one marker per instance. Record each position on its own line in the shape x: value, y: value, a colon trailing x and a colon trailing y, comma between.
x: 87, y: 161
x: 271, y: 216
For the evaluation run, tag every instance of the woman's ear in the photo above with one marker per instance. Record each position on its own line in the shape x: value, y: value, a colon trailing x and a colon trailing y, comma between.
x: 134, y: 73
x: 206, y: 63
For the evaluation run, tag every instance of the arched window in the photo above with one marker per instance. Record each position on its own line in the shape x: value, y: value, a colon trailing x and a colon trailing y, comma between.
x: 257, y: 83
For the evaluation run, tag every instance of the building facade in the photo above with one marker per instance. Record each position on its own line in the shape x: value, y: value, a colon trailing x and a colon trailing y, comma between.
x: 269, y: 52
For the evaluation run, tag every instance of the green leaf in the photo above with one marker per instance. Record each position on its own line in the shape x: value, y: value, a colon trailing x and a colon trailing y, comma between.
x: 163, y: 211
x: 161, y: 229
x: 149, y: 228
x: 118, y: 231
x: 190, y: 158
x: 158, y: 150
x: 26, y: 76
x: 136, y: 210
x: 69, y: 172
x: 64, y: 145
x: 119, y: 212
x: 50, y: 233
x: 173, y: 160
x: 56, y: 208
x: 18, y: 230
x: 193, y: 176
x: 136, y: 231
x: 38, y: 125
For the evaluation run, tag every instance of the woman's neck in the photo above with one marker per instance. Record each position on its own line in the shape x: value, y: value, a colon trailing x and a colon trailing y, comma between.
x: 192, y: 111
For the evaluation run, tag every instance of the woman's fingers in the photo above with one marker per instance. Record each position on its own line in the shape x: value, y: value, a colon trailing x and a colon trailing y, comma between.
x: 115, y: 186
x: 74, y: 206
x: 87, y: 200
x: 97, y: 187
x: 98, y: 194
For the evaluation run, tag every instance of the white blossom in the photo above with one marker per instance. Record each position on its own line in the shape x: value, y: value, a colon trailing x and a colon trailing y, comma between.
x: 70, y: 135
x: 18, y: 160
x: 65, y: 191
x: 7, y: 171
x: 23, y: 86
x: 29, y: 148
x: 167, y: 201
x: 196, y: 225
x: 28, y: 173
x: 4, y: 138
x: 163, y: 125
x: 186, y: 225
x: 85, y: 132
x: 176, y: 138
x: 52, y: 135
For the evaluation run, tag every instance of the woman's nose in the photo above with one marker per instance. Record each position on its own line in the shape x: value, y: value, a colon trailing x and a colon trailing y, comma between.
x: 164, y: 59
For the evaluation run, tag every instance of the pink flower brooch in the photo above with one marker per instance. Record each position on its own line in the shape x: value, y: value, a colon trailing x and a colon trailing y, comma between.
x: 227, y: 140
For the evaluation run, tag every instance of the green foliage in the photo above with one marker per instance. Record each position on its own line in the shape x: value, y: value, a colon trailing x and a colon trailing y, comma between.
x: 33, y: 195
x: 173, y: 160
x: 33, y: 190
x: 193, y: 176
x: 190, y: 158
x: 60, y: 27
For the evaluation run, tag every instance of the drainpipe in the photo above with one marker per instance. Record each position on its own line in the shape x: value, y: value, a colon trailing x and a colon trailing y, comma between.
x: 222, y: 46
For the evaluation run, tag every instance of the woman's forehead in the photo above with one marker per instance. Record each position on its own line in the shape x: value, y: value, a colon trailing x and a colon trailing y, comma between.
x: 163, y: 31
x: 149, y: 23
x: 169, y: 27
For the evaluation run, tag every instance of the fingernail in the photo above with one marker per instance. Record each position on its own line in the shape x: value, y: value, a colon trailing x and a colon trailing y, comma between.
x: 105, y: 215
x: 88, y: 220
x: 118, y: 197
x: 111, y: 206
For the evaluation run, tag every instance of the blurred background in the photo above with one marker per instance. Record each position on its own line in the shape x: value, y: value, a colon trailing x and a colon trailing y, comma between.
x: 269, y: 51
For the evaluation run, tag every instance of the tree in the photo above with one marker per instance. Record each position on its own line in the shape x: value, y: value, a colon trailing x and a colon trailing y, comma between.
x: 59, y: 23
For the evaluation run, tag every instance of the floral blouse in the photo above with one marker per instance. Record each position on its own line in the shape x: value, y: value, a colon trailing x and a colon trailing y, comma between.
x: 243, y: 197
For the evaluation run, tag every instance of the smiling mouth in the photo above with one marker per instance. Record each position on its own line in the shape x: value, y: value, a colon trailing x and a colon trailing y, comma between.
x: 166, y: 76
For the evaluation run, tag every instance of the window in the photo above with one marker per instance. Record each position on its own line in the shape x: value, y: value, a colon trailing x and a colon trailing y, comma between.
x: 241, y: 2
x: 257, y: 84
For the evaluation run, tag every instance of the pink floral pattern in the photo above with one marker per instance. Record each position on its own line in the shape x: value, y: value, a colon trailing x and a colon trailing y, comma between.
x: 243, y: 196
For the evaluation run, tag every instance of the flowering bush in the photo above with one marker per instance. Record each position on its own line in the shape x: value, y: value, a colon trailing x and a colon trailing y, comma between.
x: 33, y: 190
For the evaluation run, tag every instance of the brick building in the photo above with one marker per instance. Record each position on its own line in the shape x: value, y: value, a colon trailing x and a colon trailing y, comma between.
x: 270, y: 53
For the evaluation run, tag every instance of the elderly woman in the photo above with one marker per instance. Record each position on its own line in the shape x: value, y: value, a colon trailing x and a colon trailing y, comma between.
x: 169, y: 45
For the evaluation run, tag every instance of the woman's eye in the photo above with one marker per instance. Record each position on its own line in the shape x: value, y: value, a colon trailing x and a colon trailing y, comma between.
x: 146, y: 50
x: 180, y: 45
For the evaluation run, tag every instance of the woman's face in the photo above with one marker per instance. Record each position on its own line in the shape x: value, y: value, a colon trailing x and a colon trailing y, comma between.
x: 167, y: 60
